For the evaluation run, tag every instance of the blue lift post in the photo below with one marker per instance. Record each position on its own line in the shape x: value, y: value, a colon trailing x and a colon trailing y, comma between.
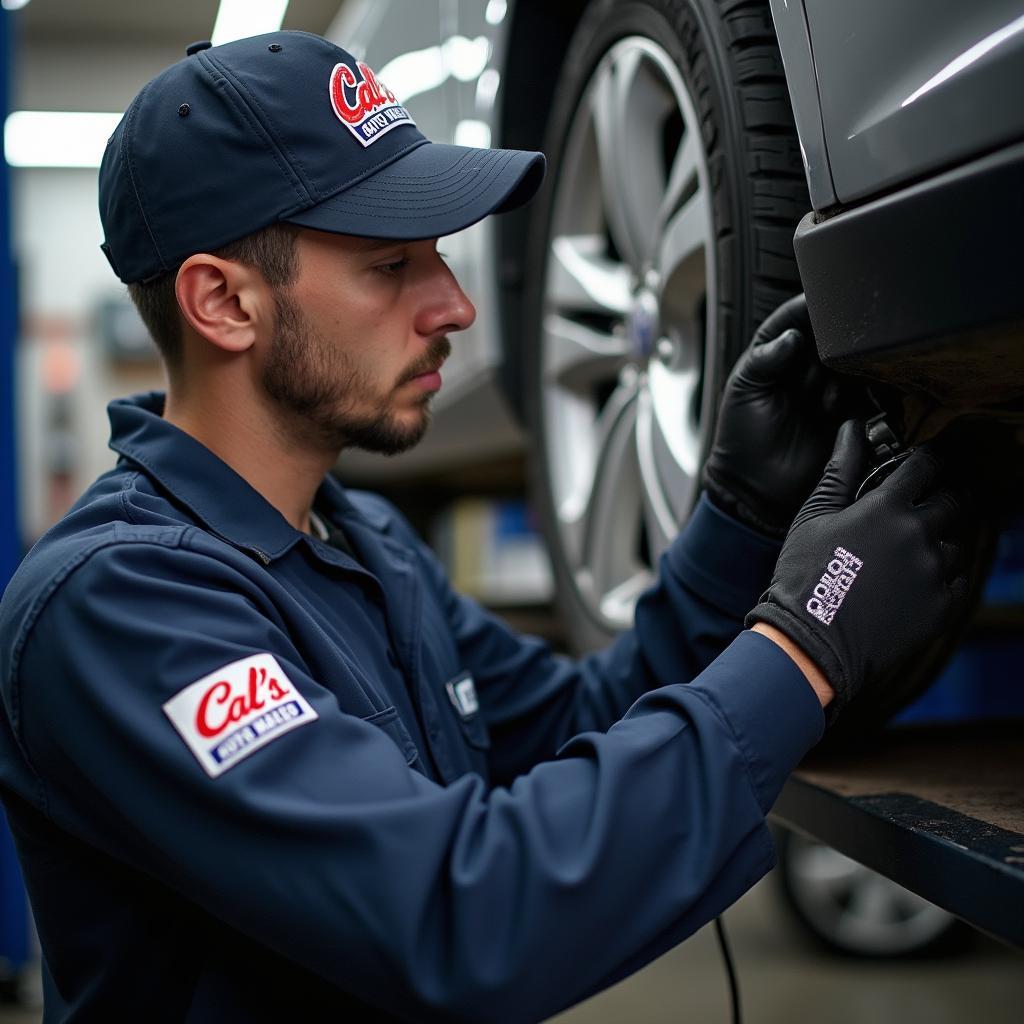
x: 14, y: 920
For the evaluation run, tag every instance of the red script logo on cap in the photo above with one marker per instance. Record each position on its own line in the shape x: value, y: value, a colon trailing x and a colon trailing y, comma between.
x: 366, y: 106
x: 369, y: 93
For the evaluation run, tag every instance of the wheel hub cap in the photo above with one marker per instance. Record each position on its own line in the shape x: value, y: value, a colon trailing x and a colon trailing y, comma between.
x: 643, y: 324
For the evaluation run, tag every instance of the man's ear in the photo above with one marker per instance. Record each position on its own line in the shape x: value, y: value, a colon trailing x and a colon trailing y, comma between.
x: 224, y: 302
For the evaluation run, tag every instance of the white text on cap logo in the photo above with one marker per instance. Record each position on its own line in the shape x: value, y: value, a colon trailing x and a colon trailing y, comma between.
x: 229, y: 714
x: 367, y: 107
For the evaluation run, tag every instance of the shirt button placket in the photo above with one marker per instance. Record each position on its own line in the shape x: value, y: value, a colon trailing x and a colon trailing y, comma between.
x: 438, y: 745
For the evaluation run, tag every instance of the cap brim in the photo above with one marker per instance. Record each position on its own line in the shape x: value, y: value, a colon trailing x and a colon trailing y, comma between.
x: 430, y: 191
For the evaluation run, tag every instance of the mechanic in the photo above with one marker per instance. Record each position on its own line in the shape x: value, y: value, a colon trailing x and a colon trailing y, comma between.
x: 261, y: 762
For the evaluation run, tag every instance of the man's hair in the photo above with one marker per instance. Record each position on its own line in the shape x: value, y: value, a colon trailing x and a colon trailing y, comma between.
x: 270, y: 250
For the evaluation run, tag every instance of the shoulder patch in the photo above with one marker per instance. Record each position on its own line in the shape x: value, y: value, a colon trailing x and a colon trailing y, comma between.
x: 229, y: 714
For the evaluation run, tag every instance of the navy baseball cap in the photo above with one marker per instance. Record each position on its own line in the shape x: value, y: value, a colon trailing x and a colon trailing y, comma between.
x: 285, y: 127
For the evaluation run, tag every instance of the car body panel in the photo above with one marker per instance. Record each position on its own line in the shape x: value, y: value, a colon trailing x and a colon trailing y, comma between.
x: 920, y: 288
x: 910, y: 88
x: 909, y: 274
x: 798, y: 61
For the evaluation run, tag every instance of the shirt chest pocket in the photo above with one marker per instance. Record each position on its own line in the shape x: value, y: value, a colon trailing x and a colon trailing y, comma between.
x: 391, y: 725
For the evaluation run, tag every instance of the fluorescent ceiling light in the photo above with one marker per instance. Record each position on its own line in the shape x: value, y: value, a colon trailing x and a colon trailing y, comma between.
x: 415, y: 72
x: 473, y: 133
x: 496, y: 11
x: 237, y: 19
x: 466, y: 58
x: 418, y: 71
x: 13, y: 5
x: 54, y: 138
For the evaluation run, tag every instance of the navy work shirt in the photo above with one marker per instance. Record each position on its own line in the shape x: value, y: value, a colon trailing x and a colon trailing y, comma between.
x: 253, y: 778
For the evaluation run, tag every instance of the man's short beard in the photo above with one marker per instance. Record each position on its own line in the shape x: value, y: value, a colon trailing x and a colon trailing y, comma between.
x: 316, y: 387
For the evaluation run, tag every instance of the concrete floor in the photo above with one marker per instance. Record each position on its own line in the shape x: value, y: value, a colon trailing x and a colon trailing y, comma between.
x: 784, y: 980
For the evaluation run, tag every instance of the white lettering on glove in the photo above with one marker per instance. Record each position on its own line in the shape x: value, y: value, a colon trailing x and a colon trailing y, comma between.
x: 831, y: 590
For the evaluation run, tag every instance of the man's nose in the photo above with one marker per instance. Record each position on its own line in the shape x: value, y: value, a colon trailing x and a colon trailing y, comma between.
x: 443, y: 305
x: 463, y: 310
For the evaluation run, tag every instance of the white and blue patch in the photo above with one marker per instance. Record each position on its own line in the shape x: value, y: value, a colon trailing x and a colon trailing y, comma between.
x: 462, y: 694
x: 233, y: 712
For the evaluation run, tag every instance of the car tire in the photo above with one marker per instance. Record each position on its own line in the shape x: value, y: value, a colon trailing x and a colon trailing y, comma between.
x: 849, y: 909
x: 662, y: 237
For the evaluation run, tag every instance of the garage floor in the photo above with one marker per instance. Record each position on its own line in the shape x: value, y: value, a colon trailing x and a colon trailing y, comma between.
x: 785, y: 981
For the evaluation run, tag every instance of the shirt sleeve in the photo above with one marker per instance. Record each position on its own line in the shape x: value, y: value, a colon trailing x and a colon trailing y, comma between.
x: 432, y: 903
x: 534, y: 700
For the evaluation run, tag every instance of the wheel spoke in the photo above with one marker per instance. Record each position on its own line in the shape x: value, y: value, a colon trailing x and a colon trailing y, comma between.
x: 871, y: 902
x: 581, y: 279
x: 677, y: 437
x: 576, y: 449
x: 578, y: 357
x: 658, y: 516
x: 684, y: 177
x: 687, y: 232
x: 908, y: 904
x: 609, y: 117
x: 611, y: 517
x: 825, y: 868
x: 628, y: 105
x: 619, y: 603
x: 572, y: 455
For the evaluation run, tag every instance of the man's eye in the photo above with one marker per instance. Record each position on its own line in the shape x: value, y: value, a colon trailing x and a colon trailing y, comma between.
x: 393, y: 267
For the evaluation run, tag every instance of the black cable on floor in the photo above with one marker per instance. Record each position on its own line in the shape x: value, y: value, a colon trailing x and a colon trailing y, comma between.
x: 730, y: 970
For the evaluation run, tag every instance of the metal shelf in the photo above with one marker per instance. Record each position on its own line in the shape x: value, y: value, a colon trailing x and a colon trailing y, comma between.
x: 938, y: 810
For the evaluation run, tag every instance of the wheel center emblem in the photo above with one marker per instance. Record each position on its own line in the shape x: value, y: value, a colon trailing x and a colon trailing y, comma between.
x: 642, y: 324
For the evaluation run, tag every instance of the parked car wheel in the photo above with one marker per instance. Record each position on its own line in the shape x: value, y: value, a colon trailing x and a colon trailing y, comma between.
x: 853, y: 910
x: 663, y: 237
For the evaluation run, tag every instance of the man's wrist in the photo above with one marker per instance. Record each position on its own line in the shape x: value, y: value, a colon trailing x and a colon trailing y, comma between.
x: 821, y: 686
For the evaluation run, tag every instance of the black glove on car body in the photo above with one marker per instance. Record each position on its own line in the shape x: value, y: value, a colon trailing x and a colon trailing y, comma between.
x: 777, y: 423
x: 860, y: 586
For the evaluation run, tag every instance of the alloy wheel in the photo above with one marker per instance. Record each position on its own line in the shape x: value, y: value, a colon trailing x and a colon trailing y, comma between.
x: 855, y: 909
x: 626, y: 342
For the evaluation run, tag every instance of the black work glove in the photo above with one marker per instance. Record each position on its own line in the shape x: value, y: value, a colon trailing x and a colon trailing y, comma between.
x: 776, y: 425
x: 861, y: 586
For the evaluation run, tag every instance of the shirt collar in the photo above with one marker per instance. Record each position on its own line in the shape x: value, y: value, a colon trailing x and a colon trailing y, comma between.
x: 221, y: 499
